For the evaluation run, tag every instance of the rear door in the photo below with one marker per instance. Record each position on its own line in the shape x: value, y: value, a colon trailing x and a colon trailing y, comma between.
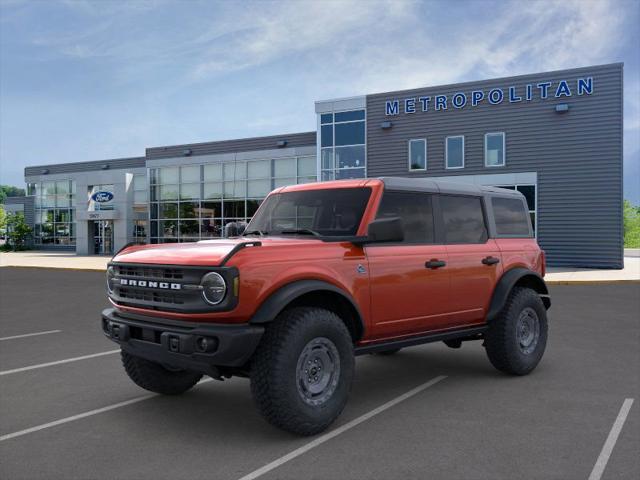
x: 407, y: 295
x: 474, y: 258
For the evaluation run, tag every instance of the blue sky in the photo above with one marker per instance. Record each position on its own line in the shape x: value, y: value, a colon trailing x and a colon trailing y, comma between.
x: 88, y: 80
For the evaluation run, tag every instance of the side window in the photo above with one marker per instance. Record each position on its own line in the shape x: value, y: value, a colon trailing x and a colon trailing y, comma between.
x: 416, y: 213
x: 511, y: 217
x: 463, y: 219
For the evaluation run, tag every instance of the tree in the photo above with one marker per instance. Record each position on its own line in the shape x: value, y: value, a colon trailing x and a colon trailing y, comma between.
x: 631, y: 225
x: 3, y: 220
x: 9, y: 191
x: 17, y: 231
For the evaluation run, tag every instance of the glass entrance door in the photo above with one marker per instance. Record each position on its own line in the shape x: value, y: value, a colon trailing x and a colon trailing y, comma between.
x: 103, y: 237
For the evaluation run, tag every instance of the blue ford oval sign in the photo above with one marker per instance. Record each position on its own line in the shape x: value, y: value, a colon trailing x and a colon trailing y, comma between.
x: 102, y: 197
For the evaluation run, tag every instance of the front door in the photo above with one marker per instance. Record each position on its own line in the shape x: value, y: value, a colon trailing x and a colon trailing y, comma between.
x: 409, y: 281
x: 103, y: 237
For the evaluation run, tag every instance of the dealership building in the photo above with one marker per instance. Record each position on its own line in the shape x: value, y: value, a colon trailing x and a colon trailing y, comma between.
x: 554, y: 136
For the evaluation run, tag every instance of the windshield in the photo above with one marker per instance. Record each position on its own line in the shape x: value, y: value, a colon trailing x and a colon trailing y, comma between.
x: 328, y: 212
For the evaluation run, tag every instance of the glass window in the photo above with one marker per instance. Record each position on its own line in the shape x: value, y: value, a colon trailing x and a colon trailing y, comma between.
x: 349, y: 116
x: 349, y: 173
x: 284, y: 167
x: 213, y: 190
x: 210, y: 228
x: 235, y: 189
x: 330, y: 212
x: 168, y: 210
x: 418, y: 154
x: 307, y: 166
x: 213, y: 172
x: 190, y: 174
x: 455, y: 152
x: 258, y: 188
x: 494, y: 150
x: 252, y: 207
x: 62, y: 187
x: 168, y: 175
x: 168, y: 228
x: 529, y: 192
x: 349, y: 133
x: 259, y: 169
x: 235, y: 171
x: 189, y: 209
x: 190, y: 191
x: 463, y: 219
x: 169, y: 192
x: 140, y: 230
x: 211, y: 210
x: 415, y: 211
x: 327, y: 159
x: 326, y: 118
x: 350, y: 157
x: 512, y: 219
x: 234, y: 209
x: 283, y: 182
x: 189, y: 228
x: 326, y: 133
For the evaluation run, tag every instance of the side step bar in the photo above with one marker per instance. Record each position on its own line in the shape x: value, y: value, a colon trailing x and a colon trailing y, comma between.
x: 458, y: 334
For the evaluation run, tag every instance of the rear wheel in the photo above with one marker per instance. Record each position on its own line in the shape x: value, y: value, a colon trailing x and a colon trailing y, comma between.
x: 158, y: 378
x: 517, y: 338
x: 302, y: 371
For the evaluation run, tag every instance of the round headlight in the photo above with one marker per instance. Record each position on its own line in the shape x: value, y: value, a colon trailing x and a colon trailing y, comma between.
x: 214, y: 288
x: 111, y: 273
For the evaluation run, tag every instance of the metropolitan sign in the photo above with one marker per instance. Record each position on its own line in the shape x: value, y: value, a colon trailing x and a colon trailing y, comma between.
x: 494, y: 96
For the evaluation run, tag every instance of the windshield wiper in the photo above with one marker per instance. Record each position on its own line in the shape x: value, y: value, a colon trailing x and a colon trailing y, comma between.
x: 255, y: 232
x: 302, y: 231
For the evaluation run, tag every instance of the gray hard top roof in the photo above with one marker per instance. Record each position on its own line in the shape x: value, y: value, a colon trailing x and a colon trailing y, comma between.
x: 435, y: 185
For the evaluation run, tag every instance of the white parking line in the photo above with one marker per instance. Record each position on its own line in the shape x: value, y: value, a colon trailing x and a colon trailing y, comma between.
x: 29, y: 335
x: 601, y: 463
x: 334, y: 433
x: 90, y: 413
x: 50, y: 364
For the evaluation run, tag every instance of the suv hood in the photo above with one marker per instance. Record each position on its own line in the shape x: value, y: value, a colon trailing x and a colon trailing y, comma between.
x: 204, y: 253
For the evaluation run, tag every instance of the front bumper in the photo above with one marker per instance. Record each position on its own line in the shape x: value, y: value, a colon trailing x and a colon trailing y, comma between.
x: 189, y: 346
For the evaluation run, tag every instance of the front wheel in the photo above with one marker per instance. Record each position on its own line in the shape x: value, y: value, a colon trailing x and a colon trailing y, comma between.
x: 517, y: 338
x: 158, y: 378
x: 302, y: 371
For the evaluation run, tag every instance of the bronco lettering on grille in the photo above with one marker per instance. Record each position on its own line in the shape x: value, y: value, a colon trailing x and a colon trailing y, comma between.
x: 148, y: 284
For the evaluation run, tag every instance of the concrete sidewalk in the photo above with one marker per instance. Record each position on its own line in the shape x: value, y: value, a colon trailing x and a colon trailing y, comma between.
x: 49, y: 259
x: 555, y: 275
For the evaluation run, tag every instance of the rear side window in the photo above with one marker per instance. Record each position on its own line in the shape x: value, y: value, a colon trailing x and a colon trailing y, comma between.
x: 463, y: 219
x: 511, y: 217
x: 416, y: 212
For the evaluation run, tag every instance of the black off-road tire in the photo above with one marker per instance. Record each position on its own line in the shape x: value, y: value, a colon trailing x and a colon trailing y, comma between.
x: 386, y: 353
x: 278, y: 388
x: 156, y: 378
x: 502, y: 340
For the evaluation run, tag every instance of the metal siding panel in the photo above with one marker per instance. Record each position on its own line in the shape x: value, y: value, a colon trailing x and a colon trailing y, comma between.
x: 232, y: 146
x: 577, y: 155
x: 96, y: 165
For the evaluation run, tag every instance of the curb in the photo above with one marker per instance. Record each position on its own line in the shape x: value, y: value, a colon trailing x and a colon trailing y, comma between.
x: 77, y: 269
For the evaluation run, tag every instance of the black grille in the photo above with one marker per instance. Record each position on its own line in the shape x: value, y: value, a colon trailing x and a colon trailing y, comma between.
x: 151, y: 296
x: 150, y: 272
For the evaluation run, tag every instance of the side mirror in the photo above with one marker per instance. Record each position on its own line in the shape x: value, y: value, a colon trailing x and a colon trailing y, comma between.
x: 385, y: 230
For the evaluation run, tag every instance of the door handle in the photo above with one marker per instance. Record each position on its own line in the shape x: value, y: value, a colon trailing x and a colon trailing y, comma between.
x: 490, y: 260
x: 433, y: 264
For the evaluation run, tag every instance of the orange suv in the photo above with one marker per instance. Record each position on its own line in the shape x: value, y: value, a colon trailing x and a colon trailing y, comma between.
x: 324, y: 272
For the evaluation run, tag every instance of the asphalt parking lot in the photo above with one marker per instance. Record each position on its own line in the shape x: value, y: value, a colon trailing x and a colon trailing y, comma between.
x: 84, y: 419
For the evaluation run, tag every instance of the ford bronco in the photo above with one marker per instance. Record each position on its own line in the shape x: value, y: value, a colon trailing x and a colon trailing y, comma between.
x: 324, y: 272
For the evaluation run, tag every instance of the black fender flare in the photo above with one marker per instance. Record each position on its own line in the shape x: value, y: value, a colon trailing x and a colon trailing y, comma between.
x: 506, y: 283
x: 282, y: 297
